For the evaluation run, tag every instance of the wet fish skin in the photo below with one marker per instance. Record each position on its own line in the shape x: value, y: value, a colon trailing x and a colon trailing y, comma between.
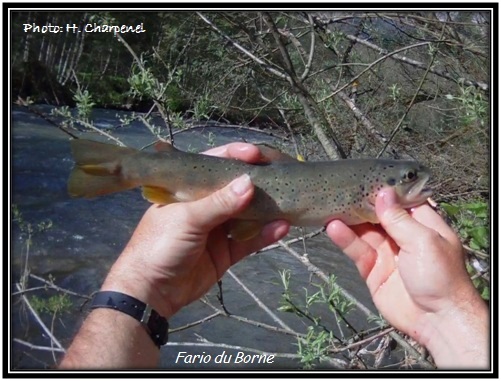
x: 303, y: 193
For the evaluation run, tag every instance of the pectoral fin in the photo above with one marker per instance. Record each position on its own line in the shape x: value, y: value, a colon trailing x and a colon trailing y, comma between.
x: 158, y: 195
x: 243, y: 230
x: 368, y: 213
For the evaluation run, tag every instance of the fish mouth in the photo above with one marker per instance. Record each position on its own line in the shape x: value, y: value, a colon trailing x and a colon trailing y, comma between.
x: 418, y: 193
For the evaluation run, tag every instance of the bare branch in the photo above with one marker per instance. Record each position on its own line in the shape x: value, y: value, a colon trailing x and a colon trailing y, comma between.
x: 312, y: 50
x: 253, y: 322
x: 270, y: 313
x: 411, y: 104
x: 370, y: 66
x: 197, y: 322
x: 420, y: 65
x: 40, y: 322
x: 243, y: 50
x: 51, y: 284
x: 38, y: 347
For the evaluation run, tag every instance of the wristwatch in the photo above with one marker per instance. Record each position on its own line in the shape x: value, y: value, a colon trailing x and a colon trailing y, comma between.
x: 156, y: 325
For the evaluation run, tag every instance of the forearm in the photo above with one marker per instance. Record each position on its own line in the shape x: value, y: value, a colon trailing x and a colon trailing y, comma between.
x: 458, y: 337
x: 111, y: 339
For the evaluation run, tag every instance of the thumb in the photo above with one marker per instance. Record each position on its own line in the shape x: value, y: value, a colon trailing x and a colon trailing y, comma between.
x: 220, y: 206
x: 397, y: 222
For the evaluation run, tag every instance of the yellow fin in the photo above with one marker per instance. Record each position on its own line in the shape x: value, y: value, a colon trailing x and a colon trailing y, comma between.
x: 367, y: 215
x: 157, y: 195
x: 83, y: 184
x: 96, y: 169
x: 270, y: 154
x: 243, y: 230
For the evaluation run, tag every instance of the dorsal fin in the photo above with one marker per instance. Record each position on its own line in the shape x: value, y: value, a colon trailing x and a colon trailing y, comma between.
x: 271, y: 154
x: 163, y: 147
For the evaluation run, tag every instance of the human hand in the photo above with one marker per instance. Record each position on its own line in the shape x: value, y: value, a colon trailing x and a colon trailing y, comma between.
x: 179, y: 251
x: 414, y: 268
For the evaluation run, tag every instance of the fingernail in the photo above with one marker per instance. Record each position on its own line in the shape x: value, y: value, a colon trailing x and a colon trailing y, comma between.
x: 243, y: 148
x: 218, y: 151
x: 241, y: 185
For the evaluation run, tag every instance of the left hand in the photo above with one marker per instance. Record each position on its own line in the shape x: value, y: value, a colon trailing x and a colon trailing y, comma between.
x: 179, y: 251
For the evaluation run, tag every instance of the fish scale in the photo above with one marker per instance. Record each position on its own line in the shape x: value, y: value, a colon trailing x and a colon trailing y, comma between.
x: 303, y: 193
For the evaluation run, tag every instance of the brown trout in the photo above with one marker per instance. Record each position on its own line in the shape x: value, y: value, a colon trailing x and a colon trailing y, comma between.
x: 303, y: 193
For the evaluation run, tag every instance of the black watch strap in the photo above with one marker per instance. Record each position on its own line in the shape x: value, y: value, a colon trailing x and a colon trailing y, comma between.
x: 156, y: 325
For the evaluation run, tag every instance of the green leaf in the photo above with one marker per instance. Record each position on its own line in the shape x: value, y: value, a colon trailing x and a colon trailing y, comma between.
x: 286, y: 309
x: 474, y: 245
x: 451, y: 210
x: 486, y: 293
x: 480, y: 209
x: 480, y: 236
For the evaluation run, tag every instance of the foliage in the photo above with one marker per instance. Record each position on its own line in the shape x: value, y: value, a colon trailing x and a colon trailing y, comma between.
x: 27, y: 227
x: 473, y: 106
x: 84, y: 103
x: 471, y: 220
x: 319, y: 338
x: 143, y: 83
x: 55, y: 304
x: 314, y: 347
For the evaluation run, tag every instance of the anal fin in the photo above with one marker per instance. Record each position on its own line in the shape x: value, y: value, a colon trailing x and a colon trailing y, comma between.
x: 157, y: 195
x: 243, y: 230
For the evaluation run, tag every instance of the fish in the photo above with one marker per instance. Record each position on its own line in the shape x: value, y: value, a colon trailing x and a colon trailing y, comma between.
x: 303, y: 193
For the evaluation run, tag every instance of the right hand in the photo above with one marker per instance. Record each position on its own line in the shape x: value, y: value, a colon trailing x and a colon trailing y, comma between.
x: 413, y: 264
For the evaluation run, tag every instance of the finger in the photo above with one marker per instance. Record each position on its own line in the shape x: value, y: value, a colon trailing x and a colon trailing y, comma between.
x: 271, y: 233
x: 207, y: 213
x: 425, y: 215
x: 397, y: 222
x: 358, y: 250
x: 374, y: 235
x: 241, y: 151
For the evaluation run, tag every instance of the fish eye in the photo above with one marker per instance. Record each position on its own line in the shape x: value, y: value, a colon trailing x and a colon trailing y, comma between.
x: 410, y: 175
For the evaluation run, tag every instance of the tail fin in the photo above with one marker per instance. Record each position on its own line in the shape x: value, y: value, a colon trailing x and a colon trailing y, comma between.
x: 98, y: 169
